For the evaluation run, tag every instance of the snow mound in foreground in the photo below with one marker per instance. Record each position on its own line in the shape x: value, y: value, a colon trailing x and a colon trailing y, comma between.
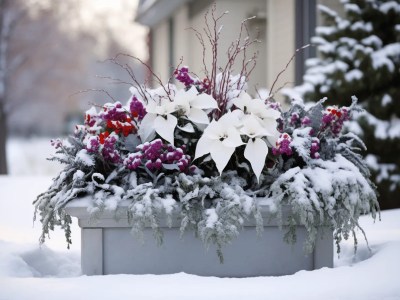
x: 21, y: 260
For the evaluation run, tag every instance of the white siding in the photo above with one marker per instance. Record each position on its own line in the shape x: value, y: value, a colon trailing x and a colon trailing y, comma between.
x: 160, y: 51
x: 280, y: 42
x: 181, y: 35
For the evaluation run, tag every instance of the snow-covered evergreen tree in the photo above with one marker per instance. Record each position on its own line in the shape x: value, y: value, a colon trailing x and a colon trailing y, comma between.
x: 359, y: 54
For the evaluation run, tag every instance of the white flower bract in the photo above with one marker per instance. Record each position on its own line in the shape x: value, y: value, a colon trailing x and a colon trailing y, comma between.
x: 220, y: 139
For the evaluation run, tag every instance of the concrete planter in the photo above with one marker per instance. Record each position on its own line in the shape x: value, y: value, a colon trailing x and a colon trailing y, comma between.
x: 109, y: 248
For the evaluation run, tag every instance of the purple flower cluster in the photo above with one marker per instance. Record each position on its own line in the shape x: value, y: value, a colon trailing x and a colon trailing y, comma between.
x: 306, y: 121
x: 109, y: 151
x: 154, y: 154
x: 93, y: 144
x: 283, y: 145
x: 333, y: 119
x: 183, y: 76
x: 314, y: 148
x: 57, y: 143
x: 296, y: 121
x: 137, y: 109
x: 294, y: 118
x: 273, y: 105
x: 114, y: 112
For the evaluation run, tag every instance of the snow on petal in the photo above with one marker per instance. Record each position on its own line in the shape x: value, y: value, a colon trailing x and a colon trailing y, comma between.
x: 165, y: 127
x: 256, y: 152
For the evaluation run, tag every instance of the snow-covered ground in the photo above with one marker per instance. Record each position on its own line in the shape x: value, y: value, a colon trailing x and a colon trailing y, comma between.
x: 27, y: 156
x: 51, y: 272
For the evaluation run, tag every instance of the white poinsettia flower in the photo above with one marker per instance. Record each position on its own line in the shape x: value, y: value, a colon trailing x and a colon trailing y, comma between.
x: 193, y: 104
x: 243, y: 101
x: 220, y: 139
x: 159, y: 119
x: 267, y: 116
x: 256, y: 150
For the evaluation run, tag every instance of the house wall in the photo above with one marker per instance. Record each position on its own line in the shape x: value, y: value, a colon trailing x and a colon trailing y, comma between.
x: 187, y: 46
x: 275, y: 24
x: 280, y: 42
x: 160, y: 54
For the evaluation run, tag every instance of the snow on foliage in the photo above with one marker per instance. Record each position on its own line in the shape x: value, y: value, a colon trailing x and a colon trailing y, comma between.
x: 366, y: 43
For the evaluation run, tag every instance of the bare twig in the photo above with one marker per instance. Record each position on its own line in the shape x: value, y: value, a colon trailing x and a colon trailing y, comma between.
x: 115, y: 80
x: 279, y: 89
x: 93, y: 90
x: 167, y: 91
x: 287, y: 65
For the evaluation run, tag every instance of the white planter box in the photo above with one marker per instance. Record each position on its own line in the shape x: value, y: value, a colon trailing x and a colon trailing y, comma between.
x: 109, y: 248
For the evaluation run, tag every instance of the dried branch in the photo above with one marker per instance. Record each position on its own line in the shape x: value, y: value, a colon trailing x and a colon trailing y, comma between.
x: 287, y: 65
x: 279, y: 89
x: 93, y: 90
x: 115, y: 80
x: 158, y: 79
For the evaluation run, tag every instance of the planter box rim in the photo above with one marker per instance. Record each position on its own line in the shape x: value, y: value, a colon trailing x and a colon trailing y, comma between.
x: 79, y: 208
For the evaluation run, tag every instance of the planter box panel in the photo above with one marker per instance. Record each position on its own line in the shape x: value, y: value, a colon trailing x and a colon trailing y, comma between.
x: 108, y: 247
x: 248, y: 255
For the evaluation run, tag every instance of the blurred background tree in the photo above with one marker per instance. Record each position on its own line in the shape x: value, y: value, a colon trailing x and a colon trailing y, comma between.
x: 49, y: 50
x: 360, y: 55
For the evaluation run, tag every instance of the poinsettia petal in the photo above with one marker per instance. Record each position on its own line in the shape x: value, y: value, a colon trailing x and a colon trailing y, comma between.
x: 256, y: 152
x: 198, y: 116
x: 204, y: 101
x: 202, y: 147
x: 233, y: 140
x: 192, y: 91
x: 187, y: 128
x: 151, y: 107
x: 272, y: 139
x: 230, y: 119
x: 181, y: 101
x: 213, y: 130
x: 252, y: 126
x: 147, y: 127
x: 165, y: 127
x: 220, y: 154
x: 270, y: 126
x: 242, y: 101
x: 265, y: 113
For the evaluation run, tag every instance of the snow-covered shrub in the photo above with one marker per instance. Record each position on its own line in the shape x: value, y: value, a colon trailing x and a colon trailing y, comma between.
x: 359, y: 54
x: 206, y: 153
